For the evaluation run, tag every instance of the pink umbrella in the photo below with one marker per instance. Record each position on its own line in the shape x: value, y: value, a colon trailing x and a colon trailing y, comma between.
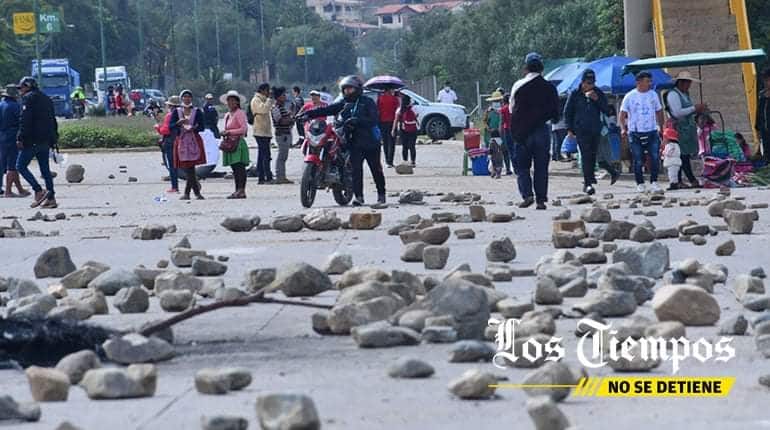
x: 384, y: 82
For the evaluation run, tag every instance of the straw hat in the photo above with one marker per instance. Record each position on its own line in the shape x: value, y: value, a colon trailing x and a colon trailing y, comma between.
x: 174, y: 101
x: 686, y: 76
x: 232, y: 93
x: 495, y: 97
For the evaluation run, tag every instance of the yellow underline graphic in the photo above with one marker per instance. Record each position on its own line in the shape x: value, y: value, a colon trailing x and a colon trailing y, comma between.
x: 704, y: 386
x: 531, y: 386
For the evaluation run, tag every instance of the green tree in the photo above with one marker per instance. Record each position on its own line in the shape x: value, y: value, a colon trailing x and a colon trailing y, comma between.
x: 334, y: 53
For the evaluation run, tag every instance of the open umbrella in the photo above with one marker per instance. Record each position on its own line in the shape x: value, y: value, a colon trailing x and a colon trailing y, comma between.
x: 384, y: 82
x: 565, y: 71
x: 610, y: 77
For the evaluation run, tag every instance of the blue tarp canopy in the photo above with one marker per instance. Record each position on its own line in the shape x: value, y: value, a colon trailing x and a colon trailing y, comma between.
x: 610, y: 76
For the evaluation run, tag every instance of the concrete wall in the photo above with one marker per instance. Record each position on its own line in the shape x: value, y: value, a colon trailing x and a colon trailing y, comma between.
x: 639, y: 38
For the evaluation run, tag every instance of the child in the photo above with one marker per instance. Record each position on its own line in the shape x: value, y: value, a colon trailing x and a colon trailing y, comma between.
x: 496, y: 153
x: 672, y: 160
x: 406, y: 123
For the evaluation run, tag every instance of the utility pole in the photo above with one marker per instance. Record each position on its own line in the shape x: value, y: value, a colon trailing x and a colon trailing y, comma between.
x: 238, y: 41
x: 141, y: 43
x: 104, y: 53
x: 262, y: 34
x: 37, y: 40
x: 173, y: 49
x: 304, y: 42
x: 197, y: 41
x: 216, y: 30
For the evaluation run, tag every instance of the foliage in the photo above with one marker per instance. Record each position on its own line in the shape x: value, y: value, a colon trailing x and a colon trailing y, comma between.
x: 107, y: 132
x: 384, y: 45
x: 759, y: 24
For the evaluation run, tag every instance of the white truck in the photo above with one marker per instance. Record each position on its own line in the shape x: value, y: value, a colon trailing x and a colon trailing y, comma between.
x: 116, y: 75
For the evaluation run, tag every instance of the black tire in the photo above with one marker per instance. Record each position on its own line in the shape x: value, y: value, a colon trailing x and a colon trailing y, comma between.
x: 437, y: 128
x: 201, y: 172
x: 343, y: 193
x: 308, y: 188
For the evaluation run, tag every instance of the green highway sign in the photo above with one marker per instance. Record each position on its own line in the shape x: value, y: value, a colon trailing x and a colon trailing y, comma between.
x: 49, y: 22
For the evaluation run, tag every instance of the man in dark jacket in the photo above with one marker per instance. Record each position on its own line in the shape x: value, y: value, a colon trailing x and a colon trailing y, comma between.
x: 38, y: 132
x: 763, y: 116
x: 534, y: 102
x: 360, y: 116
x: 583, y: 114
x: 210, y: 115
x: 10, y: 115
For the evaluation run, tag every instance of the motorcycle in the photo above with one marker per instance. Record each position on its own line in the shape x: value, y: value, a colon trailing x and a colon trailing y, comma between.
x: 78, y: 109
x: 327, y: 164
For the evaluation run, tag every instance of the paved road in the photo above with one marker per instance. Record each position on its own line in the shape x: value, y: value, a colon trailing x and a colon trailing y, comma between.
x: 349, y: 385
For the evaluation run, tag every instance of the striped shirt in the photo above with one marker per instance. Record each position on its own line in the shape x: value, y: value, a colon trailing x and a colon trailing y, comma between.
x: 282, y: 120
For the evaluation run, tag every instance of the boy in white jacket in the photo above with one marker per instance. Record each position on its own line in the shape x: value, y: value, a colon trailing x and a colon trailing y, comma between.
x: 672, y: 160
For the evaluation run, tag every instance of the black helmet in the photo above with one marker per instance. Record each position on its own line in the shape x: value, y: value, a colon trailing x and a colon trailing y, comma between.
x: 352, y: 81
x: 27, y: 81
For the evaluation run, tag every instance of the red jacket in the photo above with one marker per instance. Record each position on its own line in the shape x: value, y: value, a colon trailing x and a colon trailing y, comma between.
x: 387, y: 105
x: 164, y: 129
x: 505, y: 115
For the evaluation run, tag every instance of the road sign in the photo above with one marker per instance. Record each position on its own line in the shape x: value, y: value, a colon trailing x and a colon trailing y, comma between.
x: 24, y: 23
x: 309, y: 50
x: 50, y: 22
x: 300, y: 51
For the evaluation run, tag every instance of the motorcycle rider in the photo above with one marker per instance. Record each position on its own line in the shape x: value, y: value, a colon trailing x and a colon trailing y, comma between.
x: 78, y: 98
x: 359, y: 115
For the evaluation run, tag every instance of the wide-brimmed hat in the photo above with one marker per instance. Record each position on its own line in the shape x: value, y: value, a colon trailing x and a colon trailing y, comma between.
x: 174, y: 101
x: 232, y: 93
x: 686, y: 76
x: 183, y: 92
x: 495, y: 97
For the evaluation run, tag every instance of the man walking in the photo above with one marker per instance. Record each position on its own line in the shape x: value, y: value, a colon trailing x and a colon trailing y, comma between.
x: 641, y: 119
x: 583, y: 114
x: 38, y: 132
x: 533, y: 103
x: 10, y: 112
x: 387, y: 105
x: 297, y: 103
x: 283, y: 122
x: 447, y: 94
x: 261, y: 105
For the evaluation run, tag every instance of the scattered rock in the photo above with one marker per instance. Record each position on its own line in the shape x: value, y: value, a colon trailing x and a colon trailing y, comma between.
x: 413, y: 252
x: 132, y: 300
x: 176, y: 300
x: 237, y: 224
x: 550, y: 373
x: 287, y: 224
x: 477, y: 213
x: 439, y: 334
x: 113, y: 280
x: 48, y: 385
x: 501, y: 250
x: 500, y: 217
x: 75, y: 365
x: 365, y: 220
x: 177, y: 281
x: 54, y: 263
x: 259, y: 278
x: 469, y: 351
x: 547, y: 292
x: 608, y: 303
x: 337, y: 264
x: 81, y: 278
x: 408, y: 367
x: 745, y: 284
x: 687, y: 304
x: 717, y: 208
x: 322, y: 220
x: 435, y: 235
x: 473, y: 384
x: 203, y: 266
x: 383, y: 335
x: 545, y: 414
x: 435, y: 257
x: 137, y: 380
x: 75, y: 173
x: 651, y: 260
x: 739, y: 222
x: 135, y: 348
x: 224, y: 422
x: 404, y: 169
x: 596, y: 215
x: 698, y: 240
x: 300, y: 279
x: 593, y: 257
x: 10, y: 410
x: 465, y: 233
x: 410, y: 196
x: 149, y: 232
x: 641, y: 235
x: 287, y: 411
x: 735, y: 326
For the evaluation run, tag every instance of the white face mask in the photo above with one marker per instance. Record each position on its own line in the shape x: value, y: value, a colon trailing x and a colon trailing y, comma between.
x: 496, y: 105
x: 187, y: 105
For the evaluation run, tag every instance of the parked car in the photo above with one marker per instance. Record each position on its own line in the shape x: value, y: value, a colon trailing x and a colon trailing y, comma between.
x: 150, y: 93
x: 437, y: 120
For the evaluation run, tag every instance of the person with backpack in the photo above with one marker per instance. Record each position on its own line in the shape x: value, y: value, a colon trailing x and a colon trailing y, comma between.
x: 359, y: 115
x: 682, y: 111
x: 405, y: 126
x: 189, y: 152
x: 258, y: 114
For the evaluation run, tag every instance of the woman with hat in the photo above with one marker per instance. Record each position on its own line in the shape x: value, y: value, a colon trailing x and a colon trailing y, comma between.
x: 168, y: 135
x: 235, y: 151
x: 187, y: 121
x: 682, y: 117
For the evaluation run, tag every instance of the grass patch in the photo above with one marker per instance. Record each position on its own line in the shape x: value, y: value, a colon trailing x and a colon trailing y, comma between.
x: 108, y: 132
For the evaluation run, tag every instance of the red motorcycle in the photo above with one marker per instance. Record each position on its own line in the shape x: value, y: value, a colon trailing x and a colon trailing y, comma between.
x: 327, y: 165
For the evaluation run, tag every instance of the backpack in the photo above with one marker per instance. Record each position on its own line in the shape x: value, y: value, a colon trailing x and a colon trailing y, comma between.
x: 249, y: 114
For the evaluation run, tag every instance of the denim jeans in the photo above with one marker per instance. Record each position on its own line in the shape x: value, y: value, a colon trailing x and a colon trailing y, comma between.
x: 588, y: 144
x: 284, y: 143
x: 557, y: 138
x: 534, y: 149
x: 263, y: 159
x: 637, y: 151
x: 510, y: 146
x: 168, y: 158
x: 39, y: 152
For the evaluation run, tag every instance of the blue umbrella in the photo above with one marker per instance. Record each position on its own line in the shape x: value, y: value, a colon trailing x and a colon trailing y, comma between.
x: 565, y: 71
x: 610, y: 77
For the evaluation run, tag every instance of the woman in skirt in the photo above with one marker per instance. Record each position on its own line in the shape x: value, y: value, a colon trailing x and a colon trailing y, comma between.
x: 235, y: 151
x: 187, y: 122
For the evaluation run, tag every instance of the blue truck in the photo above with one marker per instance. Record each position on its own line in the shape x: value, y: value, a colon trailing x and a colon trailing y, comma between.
x: 58, y: 82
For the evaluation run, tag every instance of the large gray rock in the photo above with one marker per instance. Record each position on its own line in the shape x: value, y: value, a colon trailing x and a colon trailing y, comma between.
x: 739, y: 222
x: 464, y: 301
x: 546, y: 415
x: 287, y: 224
x: 547, y: 292
x: 81, y: 278
x: 512, y: 308
x: 435, y: 235
x: 615, y: 230
x: 348, y: 314
x: 435, y: 257
x: 54, y: 263
x: 221, y: 380
x: 687, y: 304
x: 607, y: 303
x: 48, y: 385
x: 259, y: 278
x: 469, y: 351
x: 639, y: 286
x: 111, y: 281
x: 132, y: 300
x: 358, y: 275
x: 412, y: 252
x: 550, y: 373
x: 224, y: 422
x: 501, y: 250
x: 473, y: 384
x: 135, y: 348
x: 410, y: 367
x: 300, y: 280
x: 596, y: 215
x: 203, y: 266
x: 18, y: 288
x: 745, y: 284
x: 717, y: 208
x: 238, y: 224
x: 641, y: 234
x: 281, y: 411
x: 32, y: 307
x: 177, y: 281
x: 149, y: 232
x: 137, y: 380
x: 74, y: 173
x: 147, y: 276
x: 176, y: 300
x: 75, y: 365
x: 322, y: 220
x: 383, y: 335
x: 337, y: 264
x: 183, y: 257
x: 10, y: 410
x: 649, y: 259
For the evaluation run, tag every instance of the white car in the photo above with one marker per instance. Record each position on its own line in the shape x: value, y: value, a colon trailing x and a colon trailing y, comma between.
x: 437, y: 120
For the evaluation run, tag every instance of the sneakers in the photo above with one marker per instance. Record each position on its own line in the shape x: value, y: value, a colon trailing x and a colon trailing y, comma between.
x: 381, y: 198
x: 589, y: 190
x: 673, y: 187
x: 358, y: 201
x: 655, y: 188
x: 641, y: 188
x: 529, y: 201
x: 540, y: 206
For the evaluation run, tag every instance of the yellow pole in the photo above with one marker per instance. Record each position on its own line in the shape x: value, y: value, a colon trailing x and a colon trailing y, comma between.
x: 657, y: 18
x: 738, y: 8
